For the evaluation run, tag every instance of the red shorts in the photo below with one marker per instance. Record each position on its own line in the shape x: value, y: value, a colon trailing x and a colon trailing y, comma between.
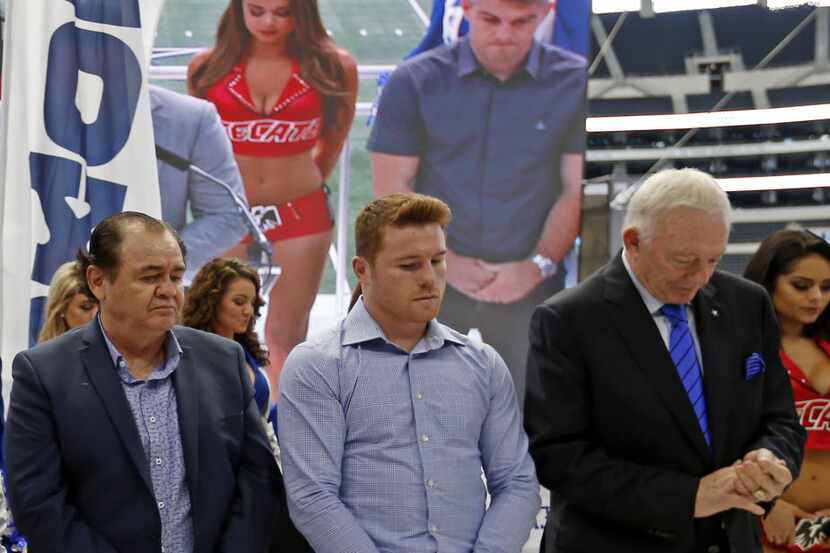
x: 302, y: 216
x: 809, y: 537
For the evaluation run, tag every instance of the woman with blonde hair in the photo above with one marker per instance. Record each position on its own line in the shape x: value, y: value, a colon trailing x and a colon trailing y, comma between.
x: 286, y: 95
x: 68, y: 304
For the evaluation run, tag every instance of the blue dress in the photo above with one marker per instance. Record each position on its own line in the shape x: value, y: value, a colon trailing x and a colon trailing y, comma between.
x: 262, y: 387
x: 262, y: 392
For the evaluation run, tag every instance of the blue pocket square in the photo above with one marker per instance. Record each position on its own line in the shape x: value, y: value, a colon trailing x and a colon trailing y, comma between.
x: 754, y: 366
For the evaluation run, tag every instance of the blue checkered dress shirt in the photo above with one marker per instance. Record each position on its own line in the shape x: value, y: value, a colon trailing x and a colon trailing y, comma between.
x: 383, y: 450
x: 155, y: 411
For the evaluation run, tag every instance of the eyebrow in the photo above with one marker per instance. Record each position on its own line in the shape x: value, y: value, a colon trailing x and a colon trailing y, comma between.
x: 158, y: 268
x: 415, y: 256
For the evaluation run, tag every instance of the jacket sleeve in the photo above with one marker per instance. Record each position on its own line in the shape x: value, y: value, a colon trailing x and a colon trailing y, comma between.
x: 779, y: 430
x: 259, y: 488
x: 37, y: 491
x: 217, y: 224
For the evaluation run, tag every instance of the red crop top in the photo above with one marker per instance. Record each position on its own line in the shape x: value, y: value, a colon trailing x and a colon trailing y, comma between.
x: 813, y: 409
x: 292, y: 127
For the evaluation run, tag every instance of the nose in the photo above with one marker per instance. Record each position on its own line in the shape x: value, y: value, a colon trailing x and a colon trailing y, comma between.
x: 502, y: 33
x: 426, y: 276
x: 700, y: 273
x: 814, y: 293
x: 167, y: 288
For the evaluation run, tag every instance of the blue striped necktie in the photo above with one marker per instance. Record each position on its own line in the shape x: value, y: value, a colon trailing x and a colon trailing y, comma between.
x: 684, y: 355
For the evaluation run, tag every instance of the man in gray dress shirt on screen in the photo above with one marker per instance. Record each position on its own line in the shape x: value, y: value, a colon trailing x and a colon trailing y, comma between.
x: 387, y: 419
x: 493, y: 125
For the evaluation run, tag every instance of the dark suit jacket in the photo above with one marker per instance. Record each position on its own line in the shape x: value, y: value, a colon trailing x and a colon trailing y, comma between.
x: 78, y: 477
x: 613, y: 433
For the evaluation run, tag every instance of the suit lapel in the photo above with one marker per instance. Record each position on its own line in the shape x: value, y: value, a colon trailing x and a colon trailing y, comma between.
x: 711, y: 324
x: 643, y: 340
x: 104, y: 377
x: 185, y: 381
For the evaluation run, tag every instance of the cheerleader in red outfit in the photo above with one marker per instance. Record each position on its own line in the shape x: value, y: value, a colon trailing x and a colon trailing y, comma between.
x: 794, y: 267
x: 286, y: 96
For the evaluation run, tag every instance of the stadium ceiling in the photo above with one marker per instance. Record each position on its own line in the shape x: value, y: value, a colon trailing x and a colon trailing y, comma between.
x: 663, y: 6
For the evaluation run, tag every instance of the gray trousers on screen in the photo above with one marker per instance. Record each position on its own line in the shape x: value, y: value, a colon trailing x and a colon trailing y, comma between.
x: 503, y: 326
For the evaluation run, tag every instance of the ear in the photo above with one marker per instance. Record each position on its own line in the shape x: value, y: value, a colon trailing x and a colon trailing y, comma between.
x: 631, y: 240
x: 361, y: 269
x: 95, y: 280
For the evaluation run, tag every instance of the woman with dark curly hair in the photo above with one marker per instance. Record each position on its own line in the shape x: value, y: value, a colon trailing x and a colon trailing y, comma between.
x: 224, y: 299
x: 794, y: 266
x: 286, y: 95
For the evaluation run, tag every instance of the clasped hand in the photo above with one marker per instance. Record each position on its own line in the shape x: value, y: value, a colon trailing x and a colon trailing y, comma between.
x: 492, y: 282
x: 759, y: 477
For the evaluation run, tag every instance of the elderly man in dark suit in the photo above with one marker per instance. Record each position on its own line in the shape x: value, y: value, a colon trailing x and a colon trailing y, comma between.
x: 659, y: 414
x: 130, y: 434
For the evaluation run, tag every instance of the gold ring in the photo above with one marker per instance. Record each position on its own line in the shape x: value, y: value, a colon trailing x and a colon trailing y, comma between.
x: 760, y: 495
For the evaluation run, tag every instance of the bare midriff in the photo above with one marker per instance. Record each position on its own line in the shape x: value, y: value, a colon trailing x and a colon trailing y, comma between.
x: 811, y: 491
x: 275, y: 180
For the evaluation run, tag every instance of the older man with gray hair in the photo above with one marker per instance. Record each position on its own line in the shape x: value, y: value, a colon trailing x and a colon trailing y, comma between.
x: 659, y: 414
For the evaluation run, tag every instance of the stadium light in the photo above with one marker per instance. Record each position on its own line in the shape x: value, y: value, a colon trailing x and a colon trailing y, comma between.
x: 777, y: 182
x: 708, y: 120
x: 615, y: 6
x: 664, y: 6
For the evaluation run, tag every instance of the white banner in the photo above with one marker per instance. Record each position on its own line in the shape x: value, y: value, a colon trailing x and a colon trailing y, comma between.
x: 76, y: 141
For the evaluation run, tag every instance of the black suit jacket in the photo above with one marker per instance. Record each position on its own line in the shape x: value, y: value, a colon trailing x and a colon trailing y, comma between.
x: 78, y: 477
x: 613, y: 434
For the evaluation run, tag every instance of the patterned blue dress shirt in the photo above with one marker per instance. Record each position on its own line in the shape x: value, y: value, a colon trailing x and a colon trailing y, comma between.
x: 383, y: 449
x: 155, y: 411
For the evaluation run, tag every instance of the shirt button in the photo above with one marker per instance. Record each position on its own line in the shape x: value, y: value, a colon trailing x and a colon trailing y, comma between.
x: 152, y: 419
x: 424, y: 438
x: 158, y: 460
x: 430, y: 483
x: 161, y: 504
x: 433, y: 528
x: 419, y: 395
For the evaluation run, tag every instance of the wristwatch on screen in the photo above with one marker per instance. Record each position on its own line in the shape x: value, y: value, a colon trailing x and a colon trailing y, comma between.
x: 546, y: 265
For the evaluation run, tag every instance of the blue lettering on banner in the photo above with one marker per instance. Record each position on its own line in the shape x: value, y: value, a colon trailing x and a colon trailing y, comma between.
x: 57, y: 180
x: 71, y: 50
x: 123, y: 13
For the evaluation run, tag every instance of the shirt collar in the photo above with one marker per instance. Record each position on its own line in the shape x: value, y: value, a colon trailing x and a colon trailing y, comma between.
x: 652, y: 304
x: 469, y: 64
x: 172, y: 354
x: 359, y: 327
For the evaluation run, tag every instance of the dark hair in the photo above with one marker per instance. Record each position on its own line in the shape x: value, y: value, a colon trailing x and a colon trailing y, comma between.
x: 398, y: 210
x: 206, y: 291
x: 319, y: 59
x: 778, y: 254
x: 107, y: 236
